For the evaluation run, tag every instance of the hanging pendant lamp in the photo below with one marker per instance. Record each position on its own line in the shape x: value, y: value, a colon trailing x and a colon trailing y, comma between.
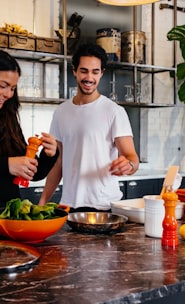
x: 127, y: 2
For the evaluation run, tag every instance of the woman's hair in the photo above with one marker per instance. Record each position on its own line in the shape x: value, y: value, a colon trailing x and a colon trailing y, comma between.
x: 89, y: 49
x: 11, y: 137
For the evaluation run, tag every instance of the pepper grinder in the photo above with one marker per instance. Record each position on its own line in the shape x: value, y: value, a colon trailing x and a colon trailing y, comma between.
x: 31, y: 150
x: 169, y: 235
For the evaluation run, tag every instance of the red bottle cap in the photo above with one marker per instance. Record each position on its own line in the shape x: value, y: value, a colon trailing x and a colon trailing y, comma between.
x: 21, y: 181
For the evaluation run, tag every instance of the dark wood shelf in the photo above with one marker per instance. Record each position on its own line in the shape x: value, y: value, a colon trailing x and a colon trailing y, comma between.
x: 144, y: 68
x: 145, y: 105
x: 40, y: 100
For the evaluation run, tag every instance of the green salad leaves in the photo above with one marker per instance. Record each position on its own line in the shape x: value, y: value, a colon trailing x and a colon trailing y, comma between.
x: 17, y: 209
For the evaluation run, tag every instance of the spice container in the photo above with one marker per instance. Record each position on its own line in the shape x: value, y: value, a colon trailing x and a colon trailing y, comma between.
x: 154, y: 214
x: 132, y: 39
x: 110, y: 40
x: 31, y: 150
x: 169, y: 236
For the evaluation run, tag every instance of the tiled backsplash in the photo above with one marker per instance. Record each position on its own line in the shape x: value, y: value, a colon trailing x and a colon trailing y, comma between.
x: 166, y: 137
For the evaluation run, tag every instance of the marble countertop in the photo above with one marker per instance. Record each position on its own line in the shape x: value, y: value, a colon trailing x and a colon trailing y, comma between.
x: 75, y: 268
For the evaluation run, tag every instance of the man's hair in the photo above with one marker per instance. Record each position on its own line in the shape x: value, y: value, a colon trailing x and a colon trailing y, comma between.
x: 92, y: 50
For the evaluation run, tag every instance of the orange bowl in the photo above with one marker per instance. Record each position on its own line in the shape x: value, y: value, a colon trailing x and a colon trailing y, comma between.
x: 32, y: 231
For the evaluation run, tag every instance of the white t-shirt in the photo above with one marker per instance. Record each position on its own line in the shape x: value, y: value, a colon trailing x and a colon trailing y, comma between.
x: 87, y: 134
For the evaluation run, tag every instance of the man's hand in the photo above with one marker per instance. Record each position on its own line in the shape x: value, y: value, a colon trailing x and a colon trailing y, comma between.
x: 121, y: 166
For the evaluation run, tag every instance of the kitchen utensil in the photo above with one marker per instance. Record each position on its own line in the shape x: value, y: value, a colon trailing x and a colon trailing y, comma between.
x: 96, y: 222
x: 129, y: 97
x: 177, y: 182
x: 16, y: 256
x: 169, y: 223
x: 33, y: 231
x: 113, y: 96
x: 31, y: 150
x: 170, y: 178
x: 134, y: 209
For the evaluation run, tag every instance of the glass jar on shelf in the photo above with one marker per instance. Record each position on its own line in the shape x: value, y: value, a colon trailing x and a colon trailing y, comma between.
x: 113, y: 96
x: 129, y: 97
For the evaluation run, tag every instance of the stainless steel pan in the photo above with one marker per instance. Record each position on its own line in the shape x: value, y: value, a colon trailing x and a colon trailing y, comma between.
x: 96, y: 222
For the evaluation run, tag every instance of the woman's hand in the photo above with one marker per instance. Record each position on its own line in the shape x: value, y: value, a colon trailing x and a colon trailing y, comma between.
x: 22, y: 166
x: 49, y: 144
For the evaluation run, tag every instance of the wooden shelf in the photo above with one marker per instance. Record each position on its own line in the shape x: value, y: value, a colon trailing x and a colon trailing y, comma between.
x: 145, y: 105
x: 41, y: 100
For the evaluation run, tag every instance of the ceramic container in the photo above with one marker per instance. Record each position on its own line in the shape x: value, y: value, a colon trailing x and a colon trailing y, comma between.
x: 154, y: 215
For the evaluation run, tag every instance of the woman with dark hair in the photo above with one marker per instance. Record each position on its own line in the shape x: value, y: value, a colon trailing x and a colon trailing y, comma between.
x: 13, y: 161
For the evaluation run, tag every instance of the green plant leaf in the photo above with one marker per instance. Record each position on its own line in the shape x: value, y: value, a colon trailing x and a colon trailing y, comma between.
x: 181, y: 92
x: 181, y: 70
x: 177, y: 33
x: 182, y: 46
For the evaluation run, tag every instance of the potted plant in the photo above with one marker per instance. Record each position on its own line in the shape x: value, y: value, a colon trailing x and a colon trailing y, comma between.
x: 178, y: 33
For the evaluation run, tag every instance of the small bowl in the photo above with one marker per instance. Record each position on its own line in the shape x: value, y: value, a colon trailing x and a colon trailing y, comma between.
x: 96, y: 222
x: 34, y: 231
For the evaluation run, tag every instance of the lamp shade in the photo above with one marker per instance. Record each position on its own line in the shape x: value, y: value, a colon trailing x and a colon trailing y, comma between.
x: 127, y: 2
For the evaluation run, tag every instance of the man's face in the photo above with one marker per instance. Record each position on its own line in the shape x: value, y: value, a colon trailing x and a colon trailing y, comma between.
x: 88, y: 74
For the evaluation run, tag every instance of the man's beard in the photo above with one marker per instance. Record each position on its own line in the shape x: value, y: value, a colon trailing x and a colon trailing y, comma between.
x: 84, y: 92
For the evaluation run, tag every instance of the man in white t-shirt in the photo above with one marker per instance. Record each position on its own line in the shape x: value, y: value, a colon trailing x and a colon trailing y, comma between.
x: 94, y: 138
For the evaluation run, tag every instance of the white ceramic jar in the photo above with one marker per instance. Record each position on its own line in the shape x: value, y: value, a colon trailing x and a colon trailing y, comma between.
x: 154, y: 215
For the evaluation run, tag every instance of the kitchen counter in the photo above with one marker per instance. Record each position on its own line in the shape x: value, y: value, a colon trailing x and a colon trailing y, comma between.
x: 146, y: 174
x: 141, y: 174
x: 75, y: 268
